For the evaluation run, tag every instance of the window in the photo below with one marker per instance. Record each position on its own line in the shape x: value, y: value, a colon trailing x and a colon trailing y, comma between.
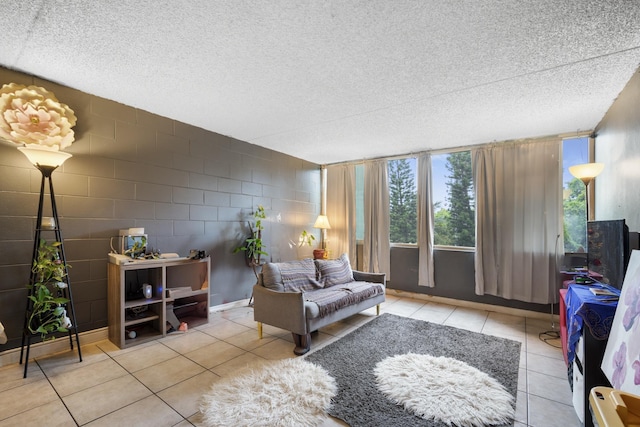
x: 575, y: 151
x: 453, y: 199
x: 403, y: 210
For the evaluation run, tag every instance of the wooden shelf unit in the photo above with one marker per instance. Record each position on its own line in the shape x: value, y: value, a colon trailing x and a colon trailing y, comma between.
x: 151, y: 318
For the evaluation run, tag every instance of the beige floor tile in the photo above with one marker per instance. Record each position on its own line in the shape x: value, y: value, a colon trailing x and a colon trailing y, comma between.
x: 274, y: 332
x: 68, y: 361
x: 72, y: 381
x: 97, y: 401
x: 148, y: 412
x: 547, y: 365
x: 11, y: 375
x: 189, y: 341
x: 549, y: 387
x: 214, y: 354
x: 168, y: 373
x: 433, y: 314
x: 239, y: 364
x: 140, y: 358
x: 536, y: 346
x: 276, y: 350
x: 546, y: 413
x: 185, y: 396
x: 471, y: 320
x: 224, y: 330
x: 249, y: 340
x: 52, y: 414
x: 403, y: 307
x: 19, y: 399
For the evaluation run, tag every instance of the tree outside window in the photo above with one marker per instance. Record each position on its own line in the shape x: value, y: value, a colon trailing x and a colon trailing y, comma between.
x: 575, y: 151
x: 453, y: 205
x: 403, y: 213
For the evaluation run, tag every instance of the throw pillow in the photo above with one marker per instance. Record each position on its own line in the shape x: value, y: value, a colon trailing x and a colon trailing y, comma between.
x: 335, y: 271
x: 299, y: 275
x: 271, y: 277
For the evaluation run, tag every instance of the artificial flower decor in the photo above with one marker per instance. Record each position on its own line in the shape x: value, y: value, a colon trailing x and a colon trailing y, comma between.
x: 31, y: 115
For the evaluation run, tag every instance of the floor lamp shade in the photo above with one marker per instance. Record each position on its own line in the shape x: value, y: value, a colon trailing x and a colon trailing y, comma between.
x: 587, y: 171
x: 44, y: 157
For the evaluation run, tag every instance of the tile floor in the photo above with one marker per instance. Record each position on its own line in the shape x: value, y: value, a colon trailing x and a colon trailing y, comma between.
x: 159, y: 383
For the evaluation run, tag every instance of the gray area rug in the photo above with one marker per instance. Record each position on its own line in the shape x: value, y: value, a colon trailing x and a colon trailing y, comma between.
x: 352, y: 359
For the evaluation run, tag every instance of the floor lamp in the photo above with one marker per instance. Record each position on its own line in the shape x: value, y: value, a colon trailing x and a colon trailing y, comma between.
x: 47, y: 161
x: 586, y: 173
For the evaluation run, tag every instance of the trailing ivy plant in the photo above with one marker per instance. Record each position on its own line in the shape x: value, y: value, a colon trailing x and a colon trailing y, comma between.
x: 48, y: 313
x: 253, y: 246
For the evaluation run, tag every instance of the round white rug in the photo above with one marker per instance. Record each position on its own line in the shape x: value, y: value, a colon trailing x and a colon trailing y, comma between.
x: 290, y: 392
x: 444, y: 389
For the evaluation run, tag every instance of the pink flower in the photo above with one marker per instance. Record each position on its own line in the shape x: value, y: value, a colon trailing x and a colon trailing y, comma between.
x: 619, y: 366
x: 33, y: 115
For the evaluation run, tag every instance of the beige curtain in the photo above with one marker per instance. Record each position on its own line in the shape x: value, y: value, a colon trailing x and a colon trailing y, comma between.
x: 341, y: 211
x: 376, y: 251
x: 518, y: 219
x: 425, y: 223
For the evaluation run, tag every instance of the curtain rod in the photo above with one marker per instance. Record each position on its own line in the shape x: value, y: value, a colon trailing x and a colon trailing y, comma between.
x: 577, y: 134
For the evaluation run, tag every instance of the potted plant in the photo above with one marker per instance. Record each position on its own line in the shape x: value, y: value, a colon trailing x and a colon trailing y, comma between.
x: 253, y: 246
x: 47, y: 313
x: 306, y: 238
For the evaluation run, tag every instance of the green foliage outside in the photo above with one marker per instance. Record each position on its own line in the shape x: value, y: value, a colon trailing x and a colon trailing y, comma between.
x: 456, y: 226
x: 403, y: 213
x: 575, y: 217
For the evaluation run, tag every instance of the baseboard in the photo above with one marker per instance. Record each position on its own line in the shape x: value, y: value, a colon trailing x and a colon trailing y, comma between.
x: 11, y: 356
x: 475, y: 305
x: 229, y: 305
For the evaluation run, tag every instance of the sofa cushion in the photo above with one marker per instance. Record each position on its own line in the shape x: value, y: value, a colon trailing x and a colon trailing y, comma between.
x: 290, y: 276
x: 335, y: 271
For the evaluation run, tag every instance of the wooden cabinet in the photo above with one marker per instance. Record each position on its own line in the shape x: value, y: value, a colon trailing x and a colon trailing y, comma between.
x: 179, y: 292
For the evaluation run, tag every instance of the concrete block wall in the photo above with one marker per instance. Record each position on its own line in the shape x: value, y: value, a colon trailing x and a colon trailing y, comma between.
x: 189, y: 188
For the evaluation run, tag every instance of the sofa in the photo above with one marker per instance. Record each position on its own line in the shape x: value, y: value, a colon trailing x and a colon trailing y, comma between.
x: 305, y: 295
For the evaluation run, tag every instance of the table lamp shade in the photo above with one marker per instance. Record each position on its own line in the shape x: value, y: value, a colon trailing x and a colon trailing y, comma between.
x: 322, y: 222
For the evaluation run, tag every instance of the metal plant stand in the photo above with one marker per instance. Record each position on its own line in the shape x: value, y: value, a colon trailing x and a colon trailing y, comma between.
x: 66, y: 292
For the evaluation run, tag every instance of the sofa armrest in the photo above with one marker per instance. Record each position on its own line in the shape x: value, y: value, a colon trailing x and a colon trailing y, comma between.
x: 361, y: 276
x: 280, y: 309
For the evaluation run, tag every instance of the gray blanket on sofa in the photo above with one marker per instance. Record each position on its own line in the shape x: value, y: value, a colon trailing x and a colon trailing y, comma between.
x: 335, y: 297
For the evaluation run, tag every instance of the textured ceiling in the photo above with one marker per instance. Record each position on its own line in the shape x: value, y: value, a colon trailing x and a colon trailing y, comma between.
x: 337, y: 80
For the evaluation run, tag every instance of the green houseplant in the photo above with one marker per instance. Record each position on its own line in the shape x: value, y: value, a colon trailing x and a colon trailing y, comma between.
x: 47, y: 313
x: 253, y: 246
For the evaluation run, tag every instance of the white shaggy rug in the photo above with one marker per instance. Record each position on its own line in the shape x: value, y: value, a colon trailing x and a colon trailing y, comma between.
x: 444, y: 389
x: 290, y: 392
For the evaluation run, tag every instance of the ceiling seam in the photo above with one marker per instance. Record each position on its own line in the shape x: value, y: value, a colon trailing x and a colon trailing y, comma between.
x: 30, y: 32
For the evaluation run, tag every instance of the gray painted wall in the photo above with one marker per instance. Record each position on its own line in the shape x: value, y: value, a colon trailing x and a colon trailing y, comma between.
x: 187, y: 187
x: 618, y: 147
x: 454, y: 278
